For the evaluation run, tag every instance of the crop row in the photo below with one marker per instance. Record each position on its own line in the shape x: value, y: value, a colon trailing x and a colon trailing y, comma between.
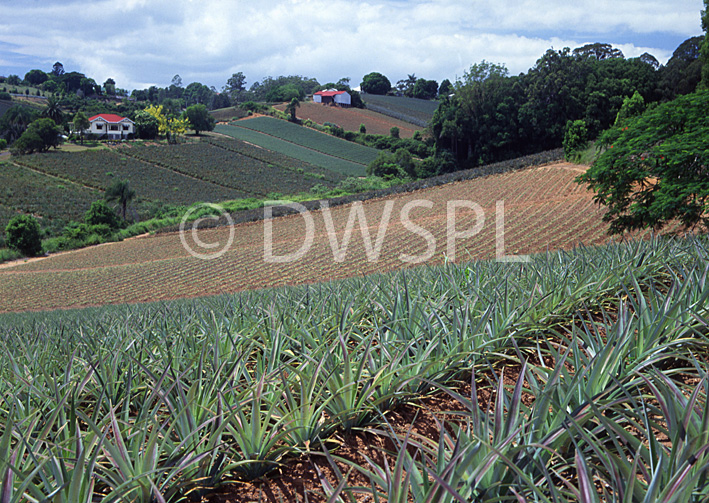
x: 335, y: 164
x: 57, y: 201
x: 100, y: 168
x: 578, y: 376
x: 247, y: 175
x: 412, y: 110
x: 275, y: 158
x: 312, y: 139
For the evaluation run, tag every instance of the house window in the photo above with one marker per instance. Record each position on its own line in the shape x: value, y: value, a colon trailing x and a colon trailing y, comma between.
x: 99, y: 126
x: 126, y: 127
x: 113, y: 127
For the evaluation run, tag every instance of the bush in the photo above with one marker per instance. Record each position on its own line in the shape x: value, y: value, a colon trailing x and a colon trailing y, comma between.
x: 575, y: 139
x: 394, y: 132
x: 3, y: 143
x: 5, y: 96
x: 23, y: 234
x: 101, y: 213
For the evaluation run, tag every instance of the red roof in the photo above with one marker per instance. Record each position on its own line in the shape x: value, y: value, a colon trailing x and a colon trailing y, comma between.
x: 329, y: 93
x: 109, y: 118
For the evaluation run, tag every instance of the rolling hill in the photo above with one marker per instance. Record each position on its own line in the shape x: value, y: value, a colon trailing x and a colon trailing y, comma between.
x: 543, y: 209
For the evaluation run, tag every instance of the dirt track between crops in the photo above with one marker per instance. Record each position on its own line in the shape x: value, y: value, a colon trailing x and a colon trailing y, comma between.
x: 543, y: 208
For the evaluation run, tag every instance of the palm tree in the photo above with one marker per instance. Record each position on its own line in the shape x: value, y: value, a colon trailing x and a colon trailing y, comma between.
x: 121, y: 193
x: 53, y: 111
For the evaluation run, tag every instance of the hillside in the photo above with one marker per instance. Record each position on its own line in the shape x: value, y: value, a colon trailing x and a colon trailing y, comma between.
x: 543, y: 209
x: 307, y: 145
x: 351, y: 118
x: 411, y: 110
x: 60, y: 186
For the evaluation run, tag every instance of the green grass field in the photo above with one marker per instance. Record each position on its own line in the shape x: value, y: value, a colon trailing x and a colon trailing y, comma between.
x: 305, y: 154
x: 412, y: 110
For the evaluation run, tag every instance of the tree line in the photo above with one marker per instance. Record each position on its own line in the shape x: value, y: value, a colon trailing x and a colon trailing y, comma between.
x: 492, y: 116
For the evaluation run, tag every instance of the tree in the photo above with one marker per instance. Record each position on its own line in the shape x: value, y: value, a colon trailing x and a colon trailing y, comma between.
x: 101, y: 213
x: 425, y: 89
x: 14, y: 80
x: 632, y: 107
x: 121, y: 193
x: 36, y: 77
x: 57, y: 69
x: 655, y: 168
x: 199, y: 118
x: 445, y: 88
x: 110, y: 86
x: 375, y: 83
x: 598, y: 51
x: 235, y: 86
x: 290, y: 108
x: 81, y: 124
x: 38, y: 137
x: 575, y: 139
x: 23, y: 234
x: 148, y: 127
x: 53, y: 110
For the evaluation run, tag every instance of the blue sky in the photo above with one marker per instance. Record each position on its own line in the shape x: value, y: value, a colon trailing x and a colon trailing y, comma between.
x: 143, y: 42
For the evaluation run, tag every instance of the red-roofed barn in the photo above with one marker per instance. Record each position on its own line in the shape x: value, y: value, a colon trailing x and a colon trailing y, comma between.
x: 112, y: 126
x: 342, y: 98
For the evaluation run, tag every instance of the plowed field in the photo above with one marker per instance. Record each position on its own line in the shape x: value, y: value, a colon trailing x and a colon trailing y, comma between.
x: 350, y: 119
x: 543, y: 209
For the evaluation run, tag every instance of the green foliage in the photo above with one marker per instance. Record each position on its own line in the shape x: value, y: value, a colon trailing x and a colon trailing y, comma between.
x: 654, y: 168
x: 388, y: 166
x: 375, y: 83
x: 3, y: 143
x: 362, y: 129
x: 147, y: 125
x: 394, y: 132
x: 39, y: 136
x: 632, y: 107
x: 101, y: 213
x: 5, y: 96
x: 23, y: 234
x: 199, y: 118
x: 121, y: 193
x: 575, y: 139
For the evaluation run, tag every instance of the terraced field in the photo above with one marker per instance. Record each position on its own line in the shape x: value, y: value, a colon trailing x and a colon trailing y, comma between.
x: 543, y: 209
x: 350, y: 119
x: 323, y: 150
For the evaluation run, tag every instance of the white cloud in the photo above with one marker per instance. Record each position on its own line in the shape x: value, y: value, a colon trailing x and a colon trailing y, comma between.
x: 140, y: 42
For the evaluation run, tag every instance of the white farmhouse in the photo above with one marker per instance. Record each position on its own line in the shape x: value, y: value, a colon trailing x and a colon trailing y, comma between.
x: 113, y: 126
x: 341, y: 98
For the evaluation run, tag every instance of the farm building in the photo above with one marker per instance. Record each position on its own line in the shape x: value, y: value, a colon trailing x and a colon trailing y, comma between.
x: 341, y: 98
x: 114, y: 127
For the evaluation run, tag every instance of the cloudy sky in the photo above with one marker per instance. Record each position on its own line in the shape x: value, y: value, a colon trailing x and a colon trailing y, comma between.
x: 144, y: 42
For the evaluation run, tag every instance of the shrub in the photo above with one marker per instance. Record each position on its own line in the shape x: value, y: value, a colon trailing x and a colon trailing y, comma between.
x: 23, y: 234
x: 575, y: 139
x: 362, y: 129
x: 5, y: 95
x: 101, y: 213
x: 3, y: 143
x: 394, y: 132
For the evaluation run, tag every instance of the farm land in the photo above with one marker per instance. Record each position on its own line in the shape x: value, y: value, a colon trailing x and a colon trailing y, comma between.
x: 411, y: 110
x: 351, y: 118
x: 300, y: 146
x: 538, y: 203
